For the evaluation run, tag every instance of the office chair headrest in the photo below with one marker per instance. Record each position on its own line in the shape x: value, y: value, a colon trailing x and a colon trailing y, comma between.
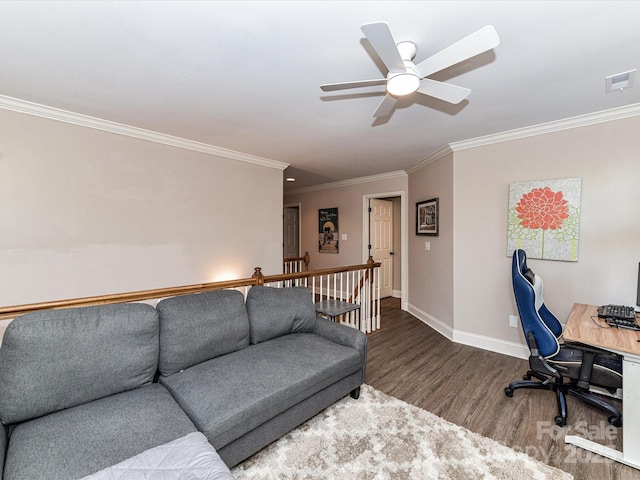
x: 521, y: 258
x: 534, y: 315
x: 529, y: 275
x: 534, y: 280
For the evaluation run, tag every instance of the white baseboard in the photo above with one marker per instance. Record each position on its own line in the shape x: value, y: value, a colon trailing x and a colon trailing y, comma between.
x: 396, y: 293
x: 492, y: 344
x: 472, y: 339
x: 442, y: 328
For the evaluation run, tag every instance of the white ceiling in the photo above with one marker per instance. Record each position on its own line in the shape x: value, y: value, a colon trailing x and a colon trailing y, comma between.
x: 246, y: 75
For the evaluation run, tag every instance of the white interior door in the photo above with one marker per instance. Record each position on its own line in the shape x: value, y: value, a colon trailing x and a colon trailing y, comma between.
x: 291, y: 233
x: 381, y: 232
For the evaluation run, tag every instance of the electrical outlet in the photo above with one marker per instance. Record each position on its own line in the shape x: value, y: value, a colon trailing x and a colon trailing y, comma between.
x: 427, y: 245
x: 513, y: 321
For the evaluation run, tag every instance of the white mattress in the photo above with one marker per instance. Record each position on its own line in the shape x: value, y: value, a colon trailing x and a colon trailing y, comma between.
x: 190, y: 457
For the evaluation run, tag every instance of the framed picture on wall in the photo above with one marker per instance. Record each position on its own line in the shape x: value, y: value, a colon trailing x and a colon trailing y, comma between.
x: 328, y: 230
x: 427, y: 215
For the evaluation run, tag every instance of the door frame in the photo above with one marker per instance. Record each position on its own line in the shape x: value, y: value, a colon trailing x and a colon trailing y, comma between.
x: 299, y: 207
x: 404, y: 240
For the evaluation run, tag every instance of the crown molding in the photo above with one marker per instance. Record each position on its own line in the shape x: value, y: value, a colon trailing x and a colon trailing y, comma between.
x: 543, y: 128
x: 346, y: 183
x: 550, y: 127
x: 437, y: 155
x: 51, y: 113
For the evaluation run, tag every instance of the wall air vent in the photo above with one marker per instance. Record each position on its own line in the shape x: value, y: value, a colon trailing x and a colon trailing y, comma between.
x: 619, y: 81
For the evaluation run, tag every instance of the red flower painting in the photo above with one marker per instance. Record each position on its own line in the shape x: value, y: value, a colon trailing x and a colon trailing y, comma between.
x: 544, y: 218
x: 542, y: 208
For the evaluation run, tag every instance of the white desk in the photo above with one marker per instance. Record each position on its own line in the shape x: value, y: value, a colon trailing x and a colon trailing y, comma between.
x: 580, y: 328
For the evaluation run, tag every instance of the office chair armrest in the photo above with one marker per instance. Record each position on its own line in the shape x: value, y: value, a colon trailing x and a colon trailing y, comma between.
x: 588, y: 356
x: 538, y: 363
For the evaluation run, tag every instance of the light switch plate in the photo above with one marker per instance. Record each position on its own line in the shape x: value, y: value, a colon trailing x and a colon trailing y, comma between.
x: 427, y: 245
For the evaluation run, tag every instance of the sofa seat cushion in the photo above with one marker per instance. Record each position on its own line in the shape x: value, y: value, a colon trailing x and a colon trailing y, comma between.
x: 228, y: 396
x: 82, y: 440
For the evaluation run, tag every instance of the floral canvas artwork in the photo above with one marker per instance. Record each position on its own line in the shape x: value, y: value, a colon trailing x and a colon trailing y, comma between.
x: 544, y: 218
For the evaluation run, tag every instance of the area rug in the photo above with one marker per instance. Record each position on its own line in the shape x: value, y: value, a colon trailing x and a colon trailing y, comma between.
x: 379, y: 437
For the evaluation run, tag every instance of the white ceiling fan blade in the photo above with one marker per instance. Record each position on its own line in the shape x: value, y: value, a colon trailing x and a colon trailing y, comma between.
x: 478, y: 42
x: 330, y: 87
x: 385, y: 107
x: 443, y: 91
x: 379, y: 35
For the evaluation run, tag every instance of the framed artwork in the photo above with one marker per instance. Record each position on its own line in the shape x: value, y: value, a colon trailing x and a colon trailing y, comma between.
x: 544, y: 218
x: 328, y: 230
x: 427, y: 216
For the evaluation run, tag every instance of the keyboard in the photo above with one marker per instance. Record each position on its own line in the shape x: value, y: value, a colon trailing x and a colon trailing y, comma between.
x: 617, y: 311
x: 619, y: 316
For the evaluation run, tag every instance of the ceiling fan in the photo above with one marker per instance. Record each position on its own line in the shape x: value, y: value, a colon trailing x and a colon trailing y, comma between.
x: 404, y: 77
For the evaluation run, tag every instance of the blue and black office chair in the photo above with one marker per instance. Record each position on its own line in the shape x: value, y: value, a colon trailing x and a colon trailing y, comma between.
x: 566, y: 369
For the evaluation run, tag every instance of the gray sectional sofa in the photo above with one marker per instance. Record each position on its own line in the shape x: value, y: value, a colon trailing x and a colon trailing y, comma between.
x: 83, y: 389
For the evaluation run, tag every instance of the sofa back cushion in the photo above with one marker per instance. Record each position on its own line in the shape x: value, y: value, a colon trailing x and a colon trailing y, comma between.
x: 55, y: 359
x: 274, y: 312
x: 195, y: 328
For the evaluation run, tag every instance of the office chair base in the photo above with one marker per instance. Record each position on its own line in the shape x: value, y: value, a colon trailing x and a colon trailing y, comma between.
x: 544, y: 384
x: 562, y: 390
x: 615, y: 416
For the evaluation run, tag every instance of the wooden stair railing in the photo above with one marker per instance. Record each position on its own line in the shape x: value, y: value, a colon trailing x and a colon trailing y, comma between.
x: 12, y: 311
x: 371, y: 264
x: 292, y: 264
x: 137, y: 296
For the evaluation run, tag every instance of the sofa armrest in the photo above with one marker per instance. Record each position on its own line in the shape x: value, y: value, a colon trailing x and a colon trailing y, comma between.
x: 343, y: 335
x: 340, y: 334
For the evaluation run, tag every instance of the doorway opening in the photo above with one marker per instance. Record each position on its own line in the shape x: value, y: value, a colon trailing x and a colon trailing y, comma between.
x: 291, y: 231
x: 384, y: 228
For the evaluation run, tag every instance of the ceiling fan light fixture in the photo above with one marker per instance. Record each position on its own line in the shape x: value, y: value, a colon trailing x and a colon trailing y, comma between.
x: 403, y: 84
x: 404, y: 77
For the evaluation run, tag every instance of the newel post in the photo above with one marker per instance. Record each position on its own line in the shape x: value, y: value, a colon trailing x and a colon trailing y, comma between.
x: 370, y: 263
x: 307, y: 259
x: 371, y: 301
x: 257, y: 275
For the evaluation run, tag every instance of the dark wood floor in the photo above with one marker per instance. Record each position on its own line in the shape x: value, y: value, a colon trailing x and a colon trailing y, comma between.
x: 465, y: 385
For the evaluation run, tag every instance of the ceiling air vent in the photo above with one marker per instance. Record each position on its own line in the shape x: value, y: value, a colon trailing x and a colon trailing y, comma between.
x: 620, y: 81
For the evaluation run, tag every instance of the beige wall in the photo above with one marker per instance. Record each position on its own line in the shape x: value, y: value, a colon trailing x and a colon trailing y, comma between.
x: 431, y: 272
x: 86, y: 212
x: 607, y: 158
x: 349, y: 200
